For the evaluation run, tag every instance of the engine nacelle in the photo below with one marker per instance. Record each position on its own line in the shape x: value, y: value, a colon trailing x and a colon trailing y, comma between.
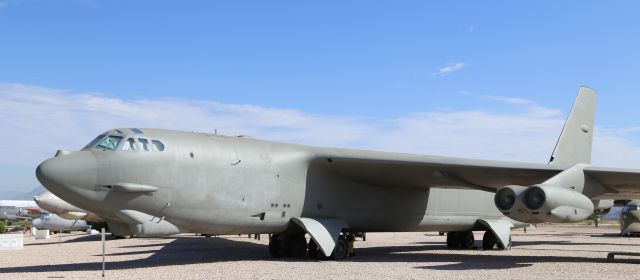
x: 555, y: 204
x: 543, y: 203
x: 508, y: 201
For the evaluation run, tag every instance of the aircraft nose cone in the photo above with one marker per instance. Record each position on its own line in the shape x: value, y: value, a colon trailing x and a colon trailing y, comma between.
x: 45, y: 201
x: 67, y: 173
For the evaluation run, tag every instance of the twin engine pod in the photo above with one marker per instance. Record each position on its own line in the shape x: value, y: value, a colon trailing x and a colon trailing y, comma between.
x: 543, y: 203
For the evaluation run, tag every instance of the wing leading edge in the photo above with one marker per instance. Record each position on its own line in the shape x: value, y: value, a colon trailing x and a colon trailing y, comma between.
x: 400, y: 170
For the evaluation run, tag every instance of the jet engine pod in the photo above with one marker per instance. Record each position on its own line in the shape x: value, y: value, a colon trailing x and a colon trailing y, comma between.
x: 506, y: 197
x: 508, y: 201
x: 555, y: 204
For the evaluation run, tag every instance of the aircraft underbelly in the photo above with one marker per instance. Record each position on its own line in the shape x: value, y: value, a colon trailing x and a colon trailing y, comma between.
x: 370, y: 208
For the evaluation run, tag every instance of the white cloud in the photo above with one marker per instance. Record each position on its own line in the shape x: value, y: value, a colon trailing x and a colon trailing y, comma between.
x: 36, y: 121
x: 446, y: 70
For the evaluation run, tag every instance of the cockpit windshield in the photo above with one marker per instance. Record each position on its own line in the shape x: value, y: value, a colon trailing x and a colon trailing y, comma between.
x: 115, y: 140
x: 110, y: 143
x: 94, y: 142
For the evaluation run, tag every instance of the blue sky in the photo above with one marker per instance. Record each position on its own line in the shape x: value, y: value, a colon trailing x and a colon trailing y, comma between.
x: 330, y: 62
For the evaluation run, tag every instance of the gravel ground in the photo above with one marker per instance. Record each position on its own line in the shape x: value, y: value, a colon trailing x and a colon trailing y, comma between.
x: 549, y: 251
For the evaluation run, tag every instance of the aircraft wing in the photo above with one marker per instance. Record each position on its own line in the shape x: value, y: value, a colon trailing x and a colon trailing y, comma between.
x: 400, y: 170
x: 619, y: 183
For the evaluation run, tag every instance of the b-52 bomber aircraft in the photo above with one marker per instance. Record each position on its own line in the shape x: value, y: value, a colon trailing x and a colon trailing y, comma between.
x: 158, y: 182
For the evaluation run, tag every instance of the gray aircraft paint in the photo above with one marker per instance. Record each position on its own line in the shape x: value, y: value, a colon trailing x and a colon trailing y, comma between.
x: 227, y: 185
x: 231, y: 179
x: 53, y: 204
x: 56, y: 223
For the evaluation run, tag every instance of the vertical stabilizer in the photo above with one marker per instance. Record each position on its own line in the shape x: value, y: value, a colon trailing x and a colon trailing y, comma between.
x: 574, y: 144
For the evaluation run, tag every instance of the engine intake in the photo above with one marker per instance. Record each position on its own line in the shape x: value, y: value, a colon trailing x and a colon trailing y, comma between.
x: 534, y: 198
x: 506, y: 197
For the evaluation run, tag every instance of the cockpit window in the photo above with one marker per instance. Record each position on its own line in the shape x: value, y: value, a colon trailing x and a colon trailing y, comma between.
x: 94, y: 142
x: 136, y: 130
x: 633, y: 207
x: 158, y: 145
x: 129, y: 145
x: 144, y: 143
x: 110, y: 143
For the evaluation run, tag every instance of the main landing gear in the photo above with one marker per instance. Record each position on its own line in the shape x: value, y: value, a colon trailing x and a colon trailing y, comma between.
x: 460, y: 240
x: 465, y: 240
x: 296, y: 246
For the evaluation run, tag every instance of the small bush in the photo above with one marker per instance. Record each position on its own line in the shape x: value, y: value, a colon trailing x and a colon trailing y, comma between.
x: 2, y: 227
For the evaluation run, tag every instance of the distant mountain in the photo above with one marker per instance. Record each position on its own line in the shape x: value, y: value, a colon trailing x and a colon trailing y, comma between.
x: 28, y: 195
x: 7, y: 195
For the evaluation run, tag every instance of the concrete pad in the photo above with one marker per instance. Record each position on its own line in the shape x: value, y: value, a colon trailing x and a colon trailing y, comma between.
x: 545, y: 252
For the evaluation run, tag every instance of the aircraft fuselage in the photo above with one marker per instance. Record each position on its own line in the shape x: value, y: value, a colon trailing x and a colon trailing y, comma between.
x: 230, y: 185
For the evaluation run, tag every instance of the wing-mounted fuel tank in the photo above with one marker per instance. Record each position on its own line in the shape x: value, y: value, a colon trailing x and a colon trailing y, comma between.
x: 558, y: 199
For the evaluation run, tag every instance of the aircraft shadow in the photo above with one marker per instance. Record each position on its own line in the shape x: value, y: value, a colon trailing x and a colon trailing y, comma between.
x: 464, y: 261
x: 65, y: 239
x: 183, y: 250
x: 193, y: 250
x: 565, y: 242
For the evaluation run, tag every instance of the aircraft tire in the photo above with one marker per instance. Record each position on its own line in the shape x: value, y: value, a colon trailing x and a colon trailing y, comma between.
x: 489, y: 241
x: 466, y: 240
x: 314, y: 251
x: 452, y: 240
x: 341, y: 251
x: 298, y: 246
x: 274, y: 244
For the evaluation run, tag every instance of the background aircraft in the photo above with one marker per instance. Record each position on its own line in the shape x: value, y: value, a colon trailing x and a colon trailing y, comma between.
x: 167, y: 182
x: 55, y: 205
x: 18, y: 210
x: 56, y: 223
x: 630, y: 218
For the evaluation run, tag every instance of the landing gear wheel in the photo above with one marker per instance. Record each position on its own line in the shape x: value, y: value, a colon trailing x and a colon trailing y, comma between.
x: 314, y: 251
x: 284, y: 250
x: 298, y: 246
x: 489, y: 241
x: 274, y: 244
x: 467, y: 240
x: 460, y: 240
x: 350, y: 238
x: 452, y: 240
x: 341, y: 250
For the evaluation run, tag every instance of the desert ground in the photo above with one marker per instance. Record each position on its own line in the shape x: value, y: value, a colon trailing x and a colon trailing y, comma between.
x: 545, y: 252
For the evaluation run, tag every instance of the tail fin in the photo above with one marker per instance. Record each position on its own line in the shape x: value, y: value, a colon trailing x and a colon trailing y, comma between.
x: 574, y: 144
